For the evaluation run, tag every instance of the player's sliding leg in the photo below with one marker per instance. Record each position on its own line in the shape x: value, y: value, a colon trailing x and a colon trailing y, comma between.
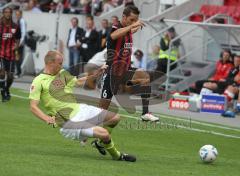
x: 92, y: 126
x: 105, y: 142
x: 110, y: 121
x: 108, y: 144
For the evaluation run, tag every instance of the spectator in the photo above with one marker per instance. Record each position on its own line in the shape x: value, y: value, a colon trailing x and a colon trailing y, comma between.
x: 222, y: 86
x: 87, y: 5
x: 152, y: 64
x: 233, y: 92
x: 137, y: 59
x: 230, y: 87
x: 20, y: 52
x: 33, y: 6
x: 108, y: 6
x: 45, y: 5
x: 10, y: 36
x: 97, y: 7
x: 118, y: 2
x: 223, y: 66
x: 103, y: 33
x: 128, y: 2
x: 89, y: 44
x: 164, y: 51
x: 114, y: 20
x: 73, y: 43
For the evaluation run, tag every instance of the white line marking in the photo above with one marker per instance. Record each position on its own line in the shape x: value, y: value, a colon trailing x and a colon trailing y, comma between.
x: 19, y: 96
x: 192, y: 129
x: 202, y: 123
x: 199, y: 123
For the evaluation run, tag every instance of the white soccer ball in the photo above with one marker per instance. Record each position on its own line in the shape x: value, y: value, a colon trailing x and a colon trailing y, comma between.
x: 208, y: 153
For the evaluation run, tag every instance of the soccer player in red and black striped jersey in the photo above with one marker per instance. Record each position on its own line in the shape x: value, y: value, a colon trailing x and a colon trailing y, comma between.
x: 9, y: 39
x: 119, y: 50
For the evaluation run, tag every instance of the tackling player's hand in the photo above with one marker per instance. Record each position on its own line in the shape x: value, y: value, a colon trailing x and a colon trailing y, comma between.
x: 104, y: 67
x: 101, y: 70
x: 51, y: 121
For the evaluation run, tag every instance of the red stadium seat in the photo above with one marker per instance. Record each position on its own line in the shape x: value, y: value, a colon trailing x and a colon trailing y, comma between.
x: 196, y: 17
x: 205, y: 10
x: 209, y: 10
x: 231, y: 10
x: 231, y: 2
x: 223, y: 9
x: 214, y: 10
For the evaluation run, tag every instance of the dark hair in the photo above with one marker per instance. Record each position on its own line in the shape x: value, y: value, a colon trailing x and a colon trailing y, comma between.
x: 90, y: 17
x: 138, y: 53
x: 105, y: 20
x: 114, y: 16
x: 172, y: 30
x: 226, y: 50
x: 20, y: 11
x: 6, y: 9
x: 75, y: 18
x: 131, y: 9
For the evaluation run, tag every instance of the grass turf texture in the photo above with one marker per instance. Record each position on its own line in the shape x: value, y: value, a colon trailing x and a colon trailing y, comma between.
x: 29, y: 147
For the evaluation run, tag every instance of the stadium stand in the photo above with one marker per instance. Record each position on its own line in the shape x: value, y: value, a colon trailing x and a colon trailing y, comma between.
x: 207, y: 11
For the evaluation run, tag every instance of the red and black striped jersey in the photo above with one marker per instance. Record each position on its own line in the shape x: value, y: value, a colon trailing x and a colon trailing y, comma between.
x: 119, y: 51
x: 8, y: 36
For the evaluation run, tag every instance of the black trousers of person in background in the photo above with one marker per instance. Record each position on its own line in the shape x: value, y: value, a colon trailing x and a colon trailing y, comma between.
x: 19, y: 60
x: 6, y: 78
x: 162, y: 65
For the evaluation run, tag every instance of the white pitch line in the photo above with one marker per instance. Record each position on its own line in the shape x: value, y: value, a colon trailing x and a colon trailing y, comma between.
x: 201, y: 123
x: 193, y: 129
x: 210, y: 132
x: 18, y: 96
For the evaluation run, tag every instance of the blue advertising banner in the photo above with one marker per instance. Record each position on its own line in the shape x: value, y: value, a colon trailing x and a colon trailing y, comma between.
x: 213, y: 103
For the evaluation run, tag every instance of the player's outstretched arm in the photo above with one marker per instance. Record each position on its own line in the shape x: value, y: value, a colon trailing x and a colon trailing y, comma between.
x: 39, y: 113
x: 123, y: 31
x: 81, y: 81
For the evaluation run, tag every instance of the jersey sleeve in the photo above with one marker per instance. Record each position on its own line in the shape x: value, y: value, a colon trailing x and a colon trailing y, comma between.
x: 72, y: 82
x: 35, y: 90
x: 69, y: 79
x: 114, y: 28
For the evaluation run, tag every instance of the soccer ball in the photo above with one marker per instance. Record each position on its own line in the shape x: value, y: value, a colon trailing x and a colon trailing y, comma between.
x: 208, y: 153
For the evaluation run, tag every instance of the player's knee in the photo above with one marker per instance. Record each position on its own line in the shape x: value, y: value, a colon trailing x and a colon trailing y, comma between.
x: 208, y: 85
x: 115, y: 119
x: 231, y: 88
x: 104, y: 134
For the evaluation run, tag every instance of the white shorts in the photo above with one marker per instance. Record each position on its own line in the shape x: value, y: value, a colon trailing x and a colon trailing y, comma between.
x: 81, y: 125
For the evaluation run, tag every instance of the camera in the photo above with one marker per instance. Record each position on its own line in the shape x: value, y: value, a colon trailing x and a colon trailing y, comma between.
x: 32, y: 38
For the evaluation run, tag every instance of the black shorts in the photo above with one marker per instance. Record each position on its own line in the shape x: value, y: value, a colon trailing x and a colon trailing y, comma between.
x: 221, y: 86
x: 7, y: 65
x: 111, y: 83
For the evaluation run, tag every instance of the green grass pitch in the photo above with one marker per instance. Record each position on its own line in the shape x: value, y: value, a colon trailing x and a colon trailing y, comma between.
x: 29, y: 147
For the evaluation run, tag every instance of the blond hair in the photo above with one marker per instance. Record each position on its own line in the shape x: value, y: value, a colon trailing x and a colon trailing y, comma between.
x: 51, y: 56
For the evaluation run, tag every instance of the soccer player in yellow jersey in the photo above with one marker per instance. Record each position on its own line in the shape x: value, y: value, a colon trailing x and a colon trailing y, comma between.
x: 54, y: 89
